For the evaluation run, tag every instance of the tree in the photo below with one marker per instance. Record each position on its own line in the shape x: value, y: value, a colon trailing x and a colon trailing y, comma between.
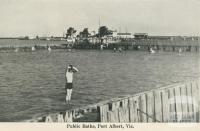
x: 84, y: 33
x: 103, y: 31
x: 70, y: 32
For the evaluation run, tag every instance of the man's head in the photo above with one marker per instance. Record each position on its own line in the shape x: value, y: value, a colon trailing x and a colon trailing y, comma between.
x: 70, y: 67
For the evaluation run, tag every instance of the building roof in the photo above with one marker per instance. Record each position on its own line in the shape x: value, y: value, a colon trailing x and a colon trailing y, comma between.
x: 140, y: 34
x: 160, y: 37
x: 123, y: 33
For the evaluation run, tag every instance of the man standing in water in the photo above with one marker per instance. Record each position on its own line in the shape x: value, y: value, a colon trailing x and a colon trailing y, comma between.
x: 69, y: 81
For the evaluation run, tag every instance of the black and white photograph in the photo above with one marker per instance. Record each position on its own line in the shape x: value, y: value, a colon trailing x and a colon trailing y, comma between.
x: 100, y: 61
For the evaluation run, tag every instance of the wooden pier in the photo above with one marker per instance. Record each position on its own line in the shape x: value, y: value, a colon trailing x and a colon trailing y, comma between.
x: 174, y: 103
x: 146, y: 44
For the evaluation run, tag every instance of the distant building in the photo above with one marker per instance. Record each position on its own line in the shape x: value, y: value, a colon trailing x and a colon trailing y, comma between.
x: 160, y: 37
x: 24, y: 38
x: 42, y: 38
x: 141, y: 35
x: 55, y: 38
x: 71, y: 39
x: 124, y: 35
x: 93, y: 39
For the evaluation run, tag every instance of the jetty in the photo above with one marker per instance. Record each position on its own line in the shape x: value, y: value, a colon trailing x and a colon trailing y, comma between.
x: 179, y: 102
x: 165, y: 45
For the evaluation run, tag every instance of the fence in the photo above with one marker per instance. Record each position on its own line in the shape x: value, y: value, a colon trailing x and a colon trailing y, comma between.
x: 175, y: 103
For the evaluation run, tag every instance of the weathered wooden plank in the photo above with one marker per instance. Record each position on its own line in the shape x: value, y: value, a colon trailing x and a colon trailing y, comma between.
x: 172, y: 111
x: 113, y: 105
x: 68, y: 116
x: 133, y: 109
x: 184, y: 103
x: 142, y: 108
x: 54, y: 117
x: 178, y: 104
x: 195, y: 97
x: 165, y: 101
x: 126, y: 109
x: 104, y: 113
x: 60, y: 118
x: 123, y: 118
x: 124, y: 102
x: 48, y: 119
x: 158, y: 105
x: 190, y: 102
x: 121, y: 114
x: 111, y: 116
x: 150, y: 107
x: 198, y: 86
x: 130, y: 106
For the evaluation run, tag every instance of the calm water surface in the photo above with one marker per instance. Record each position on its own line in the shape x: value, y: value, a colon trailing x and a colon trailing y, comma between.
x: 32, y: 83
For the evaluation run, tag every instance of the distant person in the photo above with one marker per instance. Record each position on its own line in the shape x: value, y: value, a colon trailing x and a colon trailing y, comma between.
x: 69, y: 81
x: 114, y: 49
x: 180, y: 50
x: 120, y: 49
x: 49, y: 48
x: 101, y: 47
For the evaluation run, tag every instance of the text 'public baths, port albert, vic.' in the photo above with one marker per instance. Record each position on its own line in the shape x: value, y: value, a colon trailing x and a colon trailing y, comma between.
x: 77, y: 125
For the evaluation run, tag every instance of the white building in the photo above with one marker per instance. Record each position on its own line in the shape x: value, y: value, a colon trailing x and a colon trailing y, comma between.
x: 124, y: 35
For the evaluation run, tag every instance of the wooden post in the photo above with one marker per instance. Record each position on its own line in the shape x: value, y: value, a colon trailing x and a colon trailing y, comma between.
x: 184, y: 102
x: 172, y: 110
x: 113, y: 116
x: 130, y: 106
x: 103, y: 109
x: 165, y: 101
x: 68, y: 116
x: 113, y: 111
x: 60, y: 118
x: 133, y: 109
x: 190, y: 102
x: 113, y: 105
x: 158, y: 105
x: 198, y: 85
x: 178, y: 104
x: 124, y: 111
x: 122, y: 117
x: 142, y: 108
x: 195, y: 96
x: 48, y: 119
x: 150, y: 107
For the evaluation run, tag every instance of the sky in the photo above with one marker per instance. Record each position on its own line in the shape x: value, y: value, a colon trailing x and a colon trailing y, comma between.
x: 53, y: 17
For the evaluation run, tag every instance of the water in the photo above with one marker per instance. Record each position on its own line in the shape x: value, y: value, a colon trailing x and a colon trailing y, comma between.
x: 28, y: 43
x: 32, y: 83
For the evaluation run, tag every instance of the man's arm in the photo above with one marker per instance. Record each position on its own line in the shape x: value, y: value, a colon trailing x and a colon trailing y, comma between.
x: 75, y: 69
x: 66, y: 74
